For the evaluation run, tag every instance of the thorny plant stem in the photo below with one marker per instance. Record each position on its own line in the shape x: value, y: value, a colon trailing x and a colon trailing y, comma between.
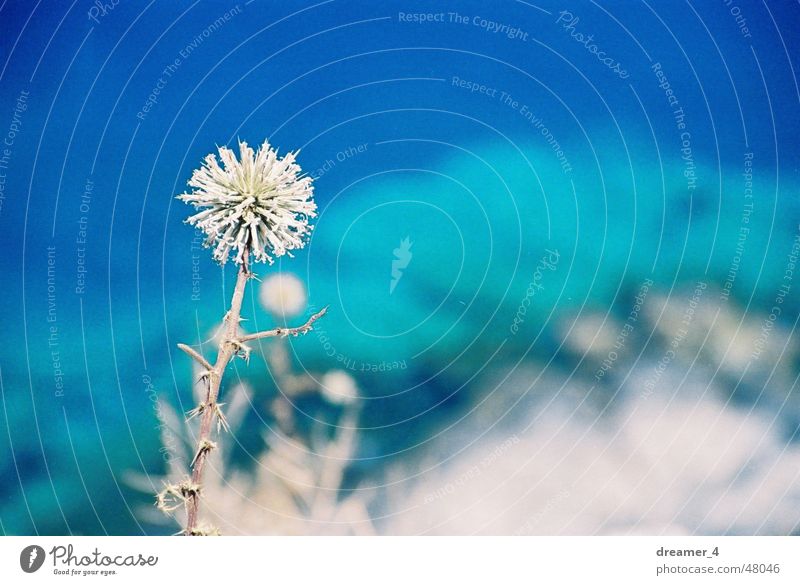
x: 232, y: 344
x: 227, y: 349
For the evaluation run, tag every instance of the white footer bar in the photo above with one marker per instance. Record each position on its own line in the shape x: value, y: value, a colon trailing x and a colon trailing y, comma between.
x: 401, y: 560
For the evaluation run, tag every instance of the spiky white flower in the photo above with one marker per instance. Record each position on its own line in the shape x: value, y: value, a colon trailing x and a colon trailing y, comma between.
x: 259, y: 203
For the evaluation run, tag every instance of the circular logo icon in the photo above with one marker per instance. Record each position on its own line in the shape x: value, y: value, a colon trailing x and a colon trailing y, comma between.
x: 31, y: 558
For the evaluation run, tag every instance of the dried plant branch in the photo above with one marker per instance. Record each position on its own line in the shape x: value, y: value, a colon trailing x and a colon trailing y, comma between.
x: 286, y: 331
x: 200, y: 359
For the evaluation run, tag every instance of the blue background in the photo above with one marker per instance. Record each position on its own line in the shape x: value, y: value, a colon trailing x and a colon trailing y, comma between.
x: 474, y: 185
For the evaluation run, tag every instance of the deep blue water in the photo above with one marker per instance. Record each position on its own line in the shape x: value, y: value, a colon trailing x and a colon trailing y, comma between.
x: 384, y: 112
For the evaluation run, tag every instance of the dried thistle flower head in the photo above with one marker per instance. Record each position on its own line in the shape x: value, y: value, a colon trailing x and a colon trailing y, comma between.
x: 259, y: 203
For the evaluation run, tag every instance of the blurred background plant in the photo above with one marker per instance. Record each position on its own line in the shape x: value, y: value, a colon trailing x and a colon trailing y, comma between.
x: 293, y: 482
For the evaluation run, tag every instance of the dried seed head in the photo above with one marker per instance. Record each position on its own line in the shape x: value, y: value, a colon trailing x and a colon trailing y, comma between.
x: 259, y: 203
x: 169, y: 499
x: 204, y: 447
